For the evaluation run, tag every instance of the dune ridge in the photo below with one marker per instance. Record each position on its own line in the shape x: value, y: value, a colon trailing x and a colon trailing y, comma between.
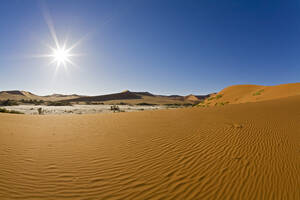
x: 242, y: 151
x: 126, y: 97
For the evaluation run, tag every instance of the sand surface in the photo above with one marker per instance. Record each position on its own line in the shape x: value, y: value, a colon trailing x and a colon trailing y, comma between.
x: 242, y: 151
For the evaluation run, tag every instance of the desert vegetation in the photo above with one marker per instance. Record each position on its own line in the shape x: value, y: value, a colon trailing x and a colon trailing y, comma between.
x: 215, y: 97
x: 32, y: 101
x: 58, y: 103
x: 116, y: 108
x: 9, y: 102
x: 146, y: 104
x: 258, y: 92
x: 40, y: 111
x: 4, y: 110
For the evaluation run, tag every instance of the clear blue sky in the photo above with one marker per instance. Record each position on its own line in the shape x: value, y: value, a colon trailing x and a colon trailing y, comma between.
x: 161, y: 46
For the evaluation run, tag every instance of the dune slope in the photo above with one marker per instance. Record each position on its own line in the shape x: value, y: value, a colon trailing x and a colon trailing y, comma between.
x: 17, y: 95
x: 244, y: 151
x: 252, y: 93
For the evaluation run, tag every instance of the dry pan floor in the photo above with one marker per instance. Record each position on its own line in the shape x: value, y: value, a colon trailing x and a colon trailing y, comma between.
x: 245, y: 151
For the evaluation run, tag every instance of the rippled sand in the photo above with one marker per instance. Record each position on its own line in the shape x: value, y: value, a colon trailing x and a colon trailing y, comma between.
x: 244, y: 151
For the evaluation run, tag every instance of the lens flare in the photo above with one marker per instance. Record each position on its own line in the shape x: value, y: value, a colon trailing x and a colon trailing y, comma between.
x: 59, y: 52
x: 61, y: 56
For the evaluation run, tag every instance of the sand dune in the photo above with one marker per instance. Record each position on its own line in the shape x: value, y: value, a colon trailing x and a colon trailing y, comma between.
x: 253, y: 93
x: 244, y: 151
x: 17, y: 95
x: 191, y: 98
x: 117, y: 96
x: 140, y: 97
x: 126, y: 97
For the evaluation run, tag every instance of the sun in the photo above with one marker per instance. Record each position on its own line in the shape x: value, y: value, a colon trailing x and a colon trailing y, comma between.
x: 60, y: 52
x: 61, y: 56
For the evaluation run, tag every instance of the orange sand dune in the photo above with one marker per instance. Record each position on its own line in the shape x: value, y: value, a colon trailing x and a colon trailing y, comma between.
x: 17, y: 95
x: 253, y: 93
x: 243, y: 151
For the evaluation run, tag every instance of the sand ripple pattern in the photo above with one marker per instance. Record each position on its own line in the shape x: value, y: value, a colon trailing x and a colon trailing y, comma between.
x: 247, y: 151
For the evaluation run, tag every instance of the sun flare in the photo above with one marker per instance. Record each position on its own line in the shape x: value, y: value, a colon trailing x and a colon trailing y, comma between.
x: 60, y: 52
x: 61, y: 56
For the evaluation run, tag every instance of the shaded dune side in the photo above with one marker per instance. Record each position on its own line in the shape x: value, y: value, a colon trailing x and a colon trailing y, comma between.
x: 245, y: 151
x: 116, y: 96
x: 254, y: 93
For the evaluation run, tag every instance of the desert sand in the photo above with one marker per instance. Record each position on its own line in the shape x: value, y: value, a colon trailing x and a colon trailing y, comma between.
x: 252, y: 93
x: 240, y: 151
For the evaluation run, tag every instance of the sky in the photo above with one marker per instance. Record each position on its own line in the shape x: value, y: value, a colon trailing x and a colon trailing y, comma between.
x: 161, y: 46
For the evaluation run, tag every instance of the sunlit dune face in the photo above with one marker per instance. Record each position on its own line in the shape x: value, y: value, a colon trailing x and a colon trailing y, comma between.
x: 61, y: 56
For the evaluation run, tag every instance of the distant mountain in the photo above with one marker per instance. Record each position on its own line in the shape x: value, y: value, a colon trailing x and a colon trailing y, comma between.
x: 116, y: 96
x: 60, y: 97
x: 202, y: 97
x: 191, y: 98
x: 144, y: 94
x: 19, y: 95
x: 129, y: 97
x: 174, y: 96
x: 126, y: 96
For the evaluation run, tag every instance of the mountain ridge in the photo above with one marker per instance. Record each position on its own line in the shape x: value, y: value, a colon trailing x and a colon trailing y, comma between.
x: 127, y: 95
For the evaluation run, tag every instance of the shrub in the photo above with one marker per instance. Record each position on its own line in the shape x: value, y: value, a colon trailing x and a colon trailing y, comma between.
x: 58, y: 103
x: 201, y: 102
x: 40, y: 110
x: 219, y: 96
x: 203, y: 105
x: 3, y: 110
x: 15, y: 112
x: 9, y: 103
x: 222, y: 103
x: 146, y: 104
x: 258, y: 92
x: 32, y: 101
x: 210, y: 98
x: 115, y: 108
